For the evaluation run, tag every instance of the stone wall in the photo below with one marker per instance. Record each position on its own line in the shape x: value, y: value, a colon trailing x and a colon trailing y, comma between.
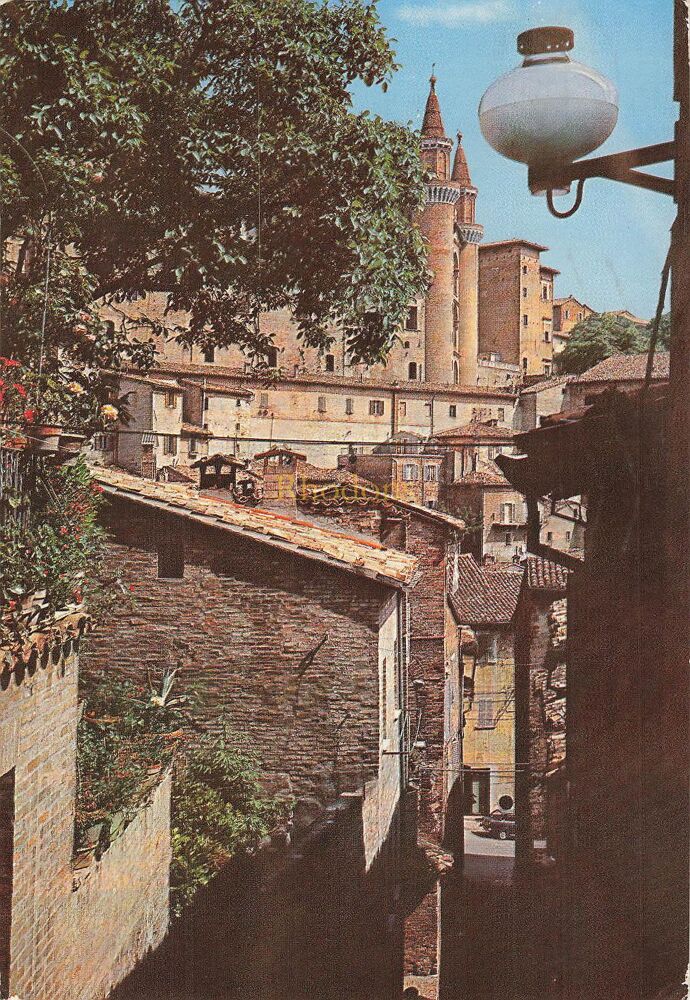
x: 39, y: 714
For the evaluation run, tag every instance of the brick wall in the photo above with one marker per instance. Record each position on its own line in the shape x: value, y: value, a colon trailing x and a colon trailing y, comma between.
x: 118, y: 911
x: 433, y: 676
x: 243, y: 623
x: 38, y: 701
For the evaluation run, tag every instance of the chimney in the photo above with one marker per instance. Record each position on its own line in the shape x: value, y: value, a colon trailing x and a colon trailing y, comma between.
x: 280, y: 477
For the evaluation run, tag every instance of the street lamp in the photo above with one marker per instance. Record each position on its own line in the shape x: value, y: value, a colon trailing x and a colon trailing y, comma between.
x: 552, y: 110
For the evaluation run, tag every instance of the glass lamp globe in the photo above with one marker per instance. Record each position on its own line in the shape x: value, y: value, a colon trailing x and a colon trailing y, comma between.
x: 549, y: 110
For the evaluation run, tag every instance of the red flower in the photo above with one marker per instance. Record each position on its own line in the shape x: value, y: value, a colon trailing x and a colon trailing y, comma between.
x: 64, y: 530
x: 9, y: 363
x: 20, y: 389
x: 96, y: 488
x: 31, y: 416
x: 132, y: 587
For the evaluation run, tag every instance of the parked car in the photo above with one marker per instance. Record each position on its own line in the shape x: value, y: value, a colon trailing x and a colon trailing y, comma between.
x: 500, y: 824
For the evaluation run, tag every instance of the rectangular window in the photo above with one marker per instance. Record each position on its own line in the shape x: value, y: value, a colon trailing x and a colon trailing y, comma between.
x: 525, y: 320
x: 410, y: 473
x: 209, y: 355
x: 430, y: 473
x: 549, y: 536
x: 567, y: 313
x: 206, y: 403
x: 452, y: 411
x: 411, y: 323
x: 524, y: 268
x: 508, y: 538
x: 567, y: 536
x: 193, y: 447
x: 376, y: 407
x: 263, y: 401
x: 501, y: 413
x: 170, y: 399
x: 170, y: 555
x: 322, y: 404
x: 402, y: 409
x: 547, y: 367
x: 349, y: 406
x: 330, y: 363
x: 547, y: 336
x: 524, y: 293
x: 485, y: 714
x: 508, y: 513
x: 169, y: 444
x: 272, y: 357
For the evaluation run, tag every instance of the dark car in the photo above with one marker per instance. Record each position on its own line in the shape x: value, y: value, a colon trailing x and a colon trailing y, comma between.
x: 500, y: 824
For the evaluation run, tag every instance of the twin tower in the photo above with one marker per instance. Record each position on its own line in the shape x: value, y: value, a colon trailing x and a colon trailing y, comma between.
x: 453, y: 237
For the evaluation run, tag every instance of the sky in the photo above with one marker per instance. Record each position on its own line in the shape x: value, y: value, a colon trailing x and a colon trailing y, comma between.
x: 611, y: 252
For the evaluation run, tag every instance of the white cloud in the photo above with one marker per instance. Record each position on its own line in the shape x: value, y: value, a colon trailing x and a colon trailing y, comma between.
x: 453, y: 15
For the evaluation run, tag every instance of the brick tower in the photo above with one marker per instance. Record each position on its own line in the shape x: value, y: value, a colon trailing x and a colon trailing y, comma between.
x: 448, y: 225
x: 468, y: 236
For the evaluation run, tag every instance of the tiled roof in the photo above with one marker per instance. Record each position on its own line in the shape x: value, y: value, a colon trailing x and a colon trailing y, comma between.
x: 627, y: 368
x: 483, y: 478
x: 547, y: 383
x: 370, y: 491
x: 477, y: 431
x: 485, y: 596
x: 269, y: 527
x: 223, y: 388
x: 258, y: 381
x: 512, y: 243
x: 626, y: 314
x: 544, y: 574
x: 163, y: 385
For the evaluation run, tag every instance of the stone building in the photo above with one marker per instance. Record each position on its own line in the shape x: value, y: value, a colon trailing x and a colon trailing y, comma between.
x: 484, y: 602
x: 69, y: 924
x: 295, y: 635
x: 516, y: 305
x: 567, y: 313
x: 624, y: 372
x: 495, y: 512
x: 539, y: 400
x: 474, y: 447
x: 435, y: 687
x: 406, y: 466
x: 540, y: 711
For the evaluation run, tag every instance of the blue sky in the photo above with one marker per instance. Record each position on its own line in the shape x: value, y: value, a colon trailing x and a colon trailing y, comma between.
x: 611, y: 252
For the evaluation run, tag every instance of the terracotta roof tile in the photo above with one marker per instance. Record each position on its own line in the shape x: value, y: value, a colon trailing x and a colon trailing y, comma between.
x: 366, y: 558
x: 547, y: 383
x: 544, y: 574
x: 477, y: 431
x: 185, y: 368
x: 483, y: 478
x: 485, y: 596
x: 627, y: 368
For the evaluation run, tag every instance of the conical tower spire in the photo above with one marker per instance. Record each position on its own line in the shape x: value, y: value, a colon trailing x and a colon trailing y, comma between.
x: 461, y: 172
x: 432, y: 126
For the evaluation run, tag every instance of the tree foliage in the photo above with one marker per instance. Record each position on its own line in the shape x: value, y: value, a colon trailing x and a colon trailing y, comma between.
x: 208, y: 149
x: 597, y: 338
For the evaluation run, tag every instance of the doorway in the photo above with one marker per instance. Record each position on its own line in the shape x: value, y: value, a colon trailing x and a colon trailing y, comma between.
x: 477, y: 788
